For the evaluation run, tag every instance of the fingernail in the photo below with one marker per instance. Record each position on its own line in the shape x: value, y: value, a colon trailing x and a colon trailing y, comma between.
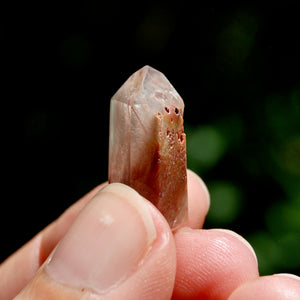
x: 106, y: 243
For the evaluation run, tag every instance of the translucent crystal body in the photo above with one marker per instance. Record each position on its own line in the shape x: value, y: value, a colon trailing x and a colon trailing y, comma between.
x: 147, y: 144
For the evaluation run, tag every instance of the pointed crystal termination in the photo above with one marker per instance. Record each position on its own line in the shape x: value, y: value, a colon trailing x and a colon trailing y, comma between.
x: 147, y: 144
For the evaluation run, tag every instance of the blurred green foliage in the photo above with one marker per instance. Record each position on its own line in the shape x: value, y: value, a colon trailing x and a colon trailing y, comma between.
x: 277, y: 241
x: 251, y: 162
x: 236, y: 40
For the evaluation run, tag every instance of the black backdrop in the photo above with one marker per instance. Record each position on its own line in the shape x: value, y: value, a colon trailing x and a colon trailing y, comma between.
x: 65, y: 62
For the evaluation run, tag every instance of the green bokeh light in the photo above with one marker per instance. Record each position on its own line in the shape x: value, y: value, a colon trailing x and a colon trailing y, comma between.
x: 205, y: 147
x: 267, y: 251
x: 226, y: 202
x: 283, y: 218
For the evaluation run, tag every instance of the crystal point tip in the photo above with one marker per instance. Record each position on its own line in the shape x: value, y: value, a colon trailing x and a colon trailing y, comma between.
x: 147, y: 143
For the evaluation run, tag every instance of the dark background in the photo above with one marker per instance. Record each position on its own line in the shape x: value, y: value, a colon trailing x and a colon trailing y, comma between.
x: 237, y: 71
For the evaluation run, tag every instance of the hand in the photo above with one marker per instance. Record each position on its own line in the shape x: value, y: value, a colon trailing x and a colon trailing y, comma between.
x: 114, y: 244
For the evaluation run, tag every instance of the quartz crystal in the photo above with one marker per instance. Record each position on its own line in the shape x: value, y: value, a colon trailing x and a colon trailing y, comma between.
x: 147, y: 143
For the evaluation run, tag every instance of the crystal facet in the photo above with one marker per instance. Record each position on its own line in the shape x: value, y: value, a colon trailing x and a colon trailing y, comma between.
x: 147, y: 143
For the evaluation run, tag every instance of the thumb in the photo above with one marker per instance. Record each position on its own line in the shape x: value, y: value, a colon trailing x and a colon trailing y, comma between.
x: 119, y: 247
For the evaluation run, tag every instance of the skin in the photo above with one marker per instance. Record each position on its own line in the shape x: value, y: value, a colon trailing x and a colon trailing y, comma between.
x: 190, y: 263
